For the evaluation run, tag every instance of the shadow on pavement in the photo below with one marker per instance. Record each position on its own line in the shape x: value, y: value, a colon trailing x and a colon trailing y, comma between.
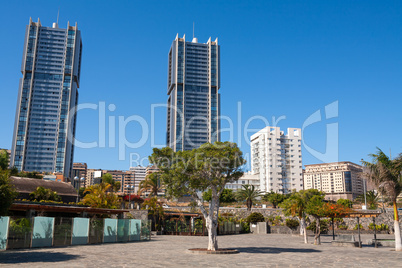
x: 274, y: 250
x: 32, y: 256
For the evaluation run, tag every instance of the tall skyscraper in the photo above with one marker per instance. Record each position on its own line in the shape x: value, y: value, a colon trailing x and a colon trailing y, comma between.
x: 45, y: 118
x: 277, y: 159
x: 194, y: 102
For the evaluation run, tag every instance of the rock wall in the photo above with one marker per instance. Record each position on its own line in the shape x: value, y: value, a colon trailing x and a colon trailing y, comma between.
x: 241, y: 213
x: 137, y: 214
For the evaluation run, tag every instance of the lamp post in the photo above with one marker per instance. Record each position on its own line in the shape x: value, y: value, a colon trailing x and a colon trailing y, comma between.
x: 78, y: 180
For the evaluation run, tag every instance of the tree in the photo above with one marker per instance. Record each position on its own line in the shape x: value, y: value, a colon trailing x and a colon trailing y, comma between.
x: 345, y: 202
x: 315, y: 208
x: 296, y: 205
x: 155, y: 210
x: 151, y: 183
x: 386, y: 173
x: 7, y: 192
x: 249, y: 194
x: 371, y: 199
x: 99, y: 196
x: 210, y: 166
x: 227, y: 196
x: 115, y: 185
x: 3, y: 159
x: 44, y: 194
x: 274, y: 198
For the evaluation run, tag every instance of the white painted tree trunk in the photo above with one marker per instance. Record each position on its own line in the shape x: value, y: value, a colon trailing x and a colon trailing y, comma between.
x: 317, y: 240
x: 398, y: 242
x: 303, y: 229
x: 211, y: 218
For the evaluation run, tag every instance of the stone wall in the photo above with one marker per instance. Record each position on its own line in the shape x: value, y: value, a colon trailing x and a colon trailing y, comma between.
x: 138, y: 214
x: 241, y: 213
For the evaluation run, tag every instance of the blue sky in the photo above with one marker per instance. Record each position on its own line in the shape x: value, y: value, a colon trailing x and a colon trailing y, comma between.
x: 278, y: 58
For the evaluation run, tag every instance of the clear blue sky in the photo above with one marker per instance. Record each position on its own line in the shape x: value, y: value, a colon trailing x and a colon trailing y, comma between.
x: 278, y: 58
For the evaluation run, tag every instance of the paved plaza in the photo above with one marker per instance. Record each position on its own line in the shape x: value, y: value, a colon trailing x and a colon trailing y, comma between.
x: 270, y: 250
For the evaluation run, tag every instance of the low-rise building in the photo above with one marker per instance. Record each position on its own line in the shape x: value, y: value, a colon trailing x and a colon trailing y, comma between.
x: 247, y: 179
x: 337, y: 180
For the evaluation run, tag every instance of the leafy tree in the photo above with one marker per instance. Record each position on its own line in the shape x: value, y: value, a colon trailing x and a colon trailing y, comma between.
x: 248, y: 194
x: 99, y: 196
x: 296, y: 205
x: 115, y: 185
x: 44, y: 194
x: 345, y: 202
x: 317, y: 208
x: 386, y: 173
x: 210, y: 166
x: 227, y: 196
x: 151, y: 183
x: 7, y: 192
x: 274, y: 198
x: 372, y: 199
x: 3, y: 159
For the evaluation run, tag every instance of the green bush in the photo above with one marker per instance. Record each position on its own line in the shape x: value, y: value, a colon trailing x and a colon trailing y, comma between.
x: 356, y: 226
x: 292, y: 223
x: 255, y: 217
x: 245, y: 227
x: 343, y: 227
x: 323, y: 226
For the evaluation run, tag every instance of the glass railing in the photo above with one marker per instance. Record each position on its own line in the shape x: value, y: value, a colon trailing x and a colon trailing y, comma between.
x: 37, y: 232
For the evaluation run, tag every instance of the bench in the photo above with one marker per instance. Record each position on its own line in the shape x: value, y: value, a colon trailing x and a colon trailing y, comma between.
x: 345, y: 241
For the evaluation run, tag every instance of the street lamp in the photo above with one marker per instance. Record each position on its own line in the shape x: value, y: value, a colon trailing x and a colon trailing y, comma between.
x: 129, y: 189
x: 78, y: 180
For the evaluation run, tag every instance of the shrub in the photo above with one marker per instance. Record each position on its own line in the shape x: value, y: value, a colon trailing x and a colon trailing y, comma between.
x: 345, y: 202
x: 382, y: 227
x: 255, y: 217
x: 343, y: 227
x: 356, y: 226
x: 292, y: 223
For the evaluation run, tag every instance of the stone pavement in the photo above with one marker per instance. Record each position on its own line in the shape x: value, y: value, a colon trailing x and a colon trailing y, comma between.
x: 270, y: 250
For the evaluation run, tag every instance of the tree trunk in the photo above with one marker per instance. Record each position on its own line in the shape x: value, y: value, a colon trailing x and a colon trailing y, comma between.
x: 249, y: 204
x: 397, y: 228
x: 303, y: 229
x: 211, y: 218
x: 317, y: 240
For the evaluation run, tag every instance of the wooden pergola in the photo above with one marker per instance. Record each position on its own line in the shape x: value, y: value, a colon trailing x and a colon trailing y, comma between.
x: 360, y: 214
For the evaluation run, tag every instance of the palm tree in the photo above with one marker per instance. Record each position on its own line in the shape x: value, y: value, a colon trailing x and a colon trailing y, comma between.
x: 98, y: 196
x: 248, y: 193
x: 151, y: 184
x: 371, y: 198
x: 386, y: 173
x: 115, y: 185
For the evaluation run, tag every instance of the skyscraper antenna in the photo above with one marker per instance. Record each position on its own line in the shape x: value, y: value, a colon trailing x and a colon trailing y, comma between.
x: 193, y: 29
x: 58, y: 12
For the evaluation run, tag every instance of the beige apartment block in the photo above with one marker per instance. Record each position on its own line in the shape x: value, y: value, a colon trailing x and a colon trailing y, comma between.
x: 126, y: 178
x: 276, y: 159
x: 337, y: 180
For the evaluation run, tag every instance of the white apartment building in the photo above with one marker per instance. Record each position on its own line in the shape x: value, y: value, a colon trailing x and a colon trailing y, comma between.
x: 247, y: 178
x: 337, y: 180
x: 277, y: 159
x: 140, y: 174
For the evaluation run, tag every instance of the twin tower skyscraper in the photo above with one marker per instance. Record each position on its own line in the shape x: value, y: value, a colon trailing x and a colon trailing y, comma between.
x: 45, y: 121
x: 193, y: 115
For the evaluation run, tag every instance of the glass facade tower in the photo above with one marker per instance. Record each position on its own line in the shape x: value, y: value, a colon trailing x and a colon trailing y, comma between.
x: 45, y: 118
x: 193, y: 99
